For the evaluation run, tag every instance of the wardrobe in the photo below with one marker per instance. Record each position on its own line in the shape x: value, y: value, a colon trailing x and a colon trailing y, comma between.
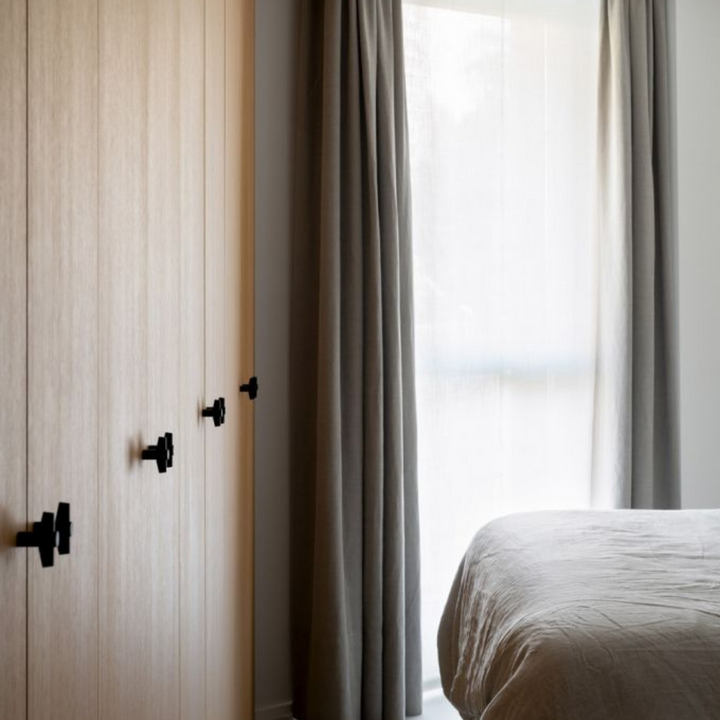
x: 126, y: 334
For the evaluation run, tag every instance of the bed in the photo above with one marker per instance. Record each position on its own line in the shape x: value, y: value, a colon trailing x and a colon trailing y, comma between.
x: 587, y: 616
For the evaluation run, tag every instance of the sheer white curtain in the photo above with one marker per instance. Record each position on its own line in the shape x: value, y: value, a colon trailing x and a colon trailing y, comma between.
x: 502, y: 116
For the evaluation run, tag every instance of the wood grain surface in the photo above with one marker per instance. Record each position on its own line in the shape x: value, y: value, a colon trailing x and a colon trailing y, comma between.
x: 13, y: 340
x: 63, y: 352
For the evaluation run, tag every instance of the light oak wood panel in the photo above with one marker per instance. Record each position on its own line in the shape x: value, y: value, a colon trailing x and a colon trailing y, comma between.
x: 239, y: 338
x: 219, y: 552
x: 140, y: 368
x: 229, y: 339
x: 62, y: 352
x: 125, y: 511
x: 192, y: 426
x: 13, y: 381
x: 163, y: 359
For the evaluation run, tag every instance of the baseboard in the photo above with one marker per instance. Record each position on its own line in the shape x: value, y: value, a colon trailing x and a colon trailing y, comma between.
x: 278, y: 711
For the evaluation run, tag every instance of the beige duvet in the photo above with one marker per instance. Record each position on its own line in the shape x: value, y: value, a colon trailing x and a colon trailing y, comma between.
x: 587, y: 616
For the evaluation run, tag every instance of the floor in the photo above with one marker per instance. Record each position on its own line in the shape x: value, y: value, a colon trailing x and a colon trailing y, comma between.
x: 436, y: 707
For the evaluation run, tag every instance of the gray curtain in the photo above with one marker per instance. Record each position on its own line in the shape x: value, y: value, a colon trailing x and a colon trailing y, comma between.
x: 355, y: 538
x: 635, y: 447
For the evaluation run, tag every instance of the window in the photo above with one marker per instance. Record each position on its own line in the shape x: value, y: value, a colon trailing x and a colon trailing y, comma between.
x: 502, y: 112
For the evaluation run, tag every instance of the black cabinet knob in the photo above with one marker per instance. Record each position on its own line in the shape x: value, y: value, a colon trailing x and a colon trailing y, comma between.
x: 216, y: 411
x: 50, y: 533
x: 63, y: 528
x: 162, y: 453
x: 170, y: 445
x: 250, y: 387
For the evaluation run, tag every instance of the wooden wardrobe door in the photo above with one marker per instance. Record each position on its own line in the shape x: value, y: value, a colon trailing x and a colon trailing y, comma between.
x: 192, y: 426
x: 228, y: 287
x: 13, y: 340
x: 163, y: 360
x: 139, y: 358
x: 220, y: 552
x: 239, y: 331
x: 62, y: 352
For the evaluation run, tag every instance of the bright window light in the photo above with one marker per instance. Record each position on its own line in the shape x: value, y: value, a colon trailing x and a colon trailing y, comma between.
x: 502, y: 113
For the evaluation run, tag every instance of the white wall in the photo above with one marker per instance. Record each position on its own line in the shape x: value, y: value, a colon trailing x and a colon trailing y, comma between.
x: 275, y: 37
x: 697, y: 24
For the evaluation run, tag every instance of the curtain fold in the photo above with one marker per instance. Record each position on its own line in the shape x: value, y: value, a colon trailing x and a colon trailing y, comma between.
x: 355, y: 553
x: 635, y: 448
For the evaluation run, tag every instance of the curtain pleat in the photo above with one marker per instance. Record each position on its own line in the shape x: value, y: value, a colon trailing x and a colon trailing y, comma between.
x: 355, y: 554
x: 635, y: 449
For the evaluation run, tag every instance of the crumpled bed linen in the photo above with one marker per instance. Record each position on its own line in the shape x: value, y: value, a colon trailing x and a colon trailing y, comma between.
x: 587, y: 616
